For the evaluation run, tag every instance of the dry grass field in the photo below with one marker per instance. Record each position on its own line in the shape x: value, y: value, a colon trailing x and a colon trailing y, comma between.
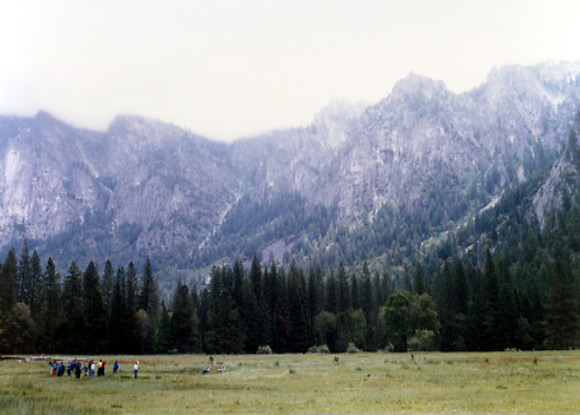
x: 363, y: 383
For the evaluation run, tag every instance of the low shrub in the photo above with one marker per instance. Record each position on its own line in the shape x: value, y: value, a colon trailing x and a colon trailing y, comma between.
x: 264, y: 350
x: 351, y: 348
x: 323, y: 348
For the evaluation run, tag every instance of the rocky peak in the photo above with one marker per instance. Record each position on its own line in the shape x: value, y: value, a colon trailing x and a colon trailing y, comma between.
x: 335, y: 119
x: 417, y: 87
x: 544, y: 84
x: 339, y: 111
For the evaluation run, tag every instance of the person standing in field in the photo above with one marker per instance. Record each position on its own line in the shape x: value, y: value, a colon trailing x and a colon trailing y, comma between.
x: 136, y: 368
x: 115, y: 367
x: 92, y: 369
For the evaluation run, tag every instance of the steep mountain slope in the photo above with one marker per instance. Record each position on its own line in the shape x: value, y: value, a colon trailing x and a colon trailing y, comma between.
x: 563, y: 182
x: 140, y: 188
x: 356, y: 183
x: 391, y: 151
x: 418, y: 161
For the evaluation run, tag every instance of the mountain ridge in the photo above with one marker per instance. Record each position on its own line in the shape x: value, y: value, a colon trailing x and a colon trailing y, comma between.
x: 144, y: 187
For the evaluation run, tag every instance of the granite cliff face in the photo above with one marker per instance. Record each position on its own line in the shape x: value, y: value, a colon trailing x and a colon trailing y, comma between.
x: 392, y: 151
x: 563, y: 182
x: 145, y: 185
x: 146, y: 188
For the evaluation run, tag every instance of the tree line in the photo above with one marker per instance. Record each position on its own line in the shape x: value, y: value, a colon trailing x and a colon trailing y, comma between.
x: 457, y: 307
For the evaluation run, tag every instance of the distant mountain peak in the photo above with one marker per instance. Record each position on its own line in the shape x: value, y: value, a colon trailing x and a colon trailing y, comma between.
x: 339, y: 110
x: 44, y: 115
x: 414, y: 84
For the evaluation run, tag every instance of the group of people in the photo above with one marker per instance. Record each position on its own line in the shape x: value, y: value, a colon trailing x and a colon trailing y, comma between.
x: 76, y: 367
x: 92, y: 367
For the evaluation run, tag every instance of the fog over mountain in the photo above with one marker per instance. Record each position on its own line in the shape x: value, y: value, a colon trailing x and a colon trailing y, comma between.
x: 143, y: 187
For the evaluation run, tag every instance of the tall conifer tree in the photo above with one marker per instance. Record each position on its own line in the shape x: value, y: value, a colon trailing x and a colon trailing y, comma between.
x: 343, y: 289
x: 107, y: 281
x: 93, y: 308
x: 37, y: 285
x: 131, y: 287
x: 24, y: 275
x: 119, y: 315
x: 299, y: 318
x: 331, y: 294
x: 52, y: 306
x: 149, y: 293
x: 8, y: 283
x: 562, y: 310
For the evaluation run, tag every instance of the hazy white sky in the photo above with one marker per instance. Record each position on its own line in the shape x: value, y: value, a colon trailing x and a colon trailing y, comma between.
x: 227, y: 69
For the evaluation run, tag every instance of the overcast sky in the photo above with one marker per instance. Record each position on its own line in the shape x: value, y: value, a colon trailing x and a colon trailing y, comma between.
x: 227, y: 69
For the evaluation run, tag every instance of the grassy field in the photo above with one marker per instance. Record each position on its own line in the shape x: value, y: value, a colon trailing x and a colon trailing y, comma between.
x: 365, y: 383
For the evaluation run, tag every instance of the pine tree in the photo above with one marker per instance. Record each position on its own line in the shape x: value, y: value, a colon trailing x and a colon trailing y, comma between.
x: 149, y: 293
x: 73, y: 319
x: 224, y: 332
x: 491, y: 298
x: 195, y: 304
x: 51, y: 306
x: 261, y: 320
x: 314, y: 295
x: 444, y: 290
x: 378, y: 290
x: 299, y: 318
x: 149, y: 302
x: 248, y: 312
x: 418, y: 280
x: 281, y: 321
x: 367, y: 303
x: 131, y: 289
x: 93, y: 308
x: 369, y: 308
x: 331, y: 294
x: 386, y: 288
x: 24, y: 275
x: 183, y: 325
x: 238, y: 289
x: 37, y: 285
x: 460, y: 288
x: 8, y: 283
x: 107, y: 285
x: 131, y: 343
x: 343, y: 289
x: 508, y: 312
x: 166, y: 339
x: 477, y: 331
x: 256, y: 277
x: 354, y: 292
x: 406, y: 283
x: 271, y: 296
x: 562, y: 310
x: 119, y: 315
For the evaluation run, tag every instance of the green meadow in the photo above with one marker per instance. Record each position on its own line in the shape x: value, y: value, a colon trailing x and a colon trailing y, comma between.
x: 362, y: 383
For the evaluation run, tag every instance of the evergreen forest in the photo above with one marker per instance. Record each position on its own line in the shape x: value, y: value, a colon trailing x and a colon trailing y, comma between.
x: 523, y: 296
x: 499, y: 280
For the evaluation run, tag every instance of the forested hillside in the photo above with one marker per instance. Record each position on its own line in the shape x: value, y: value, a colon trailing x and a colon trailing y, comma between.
x: 501, y: 280
x: 428, y: 221
x: 377, y: 183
